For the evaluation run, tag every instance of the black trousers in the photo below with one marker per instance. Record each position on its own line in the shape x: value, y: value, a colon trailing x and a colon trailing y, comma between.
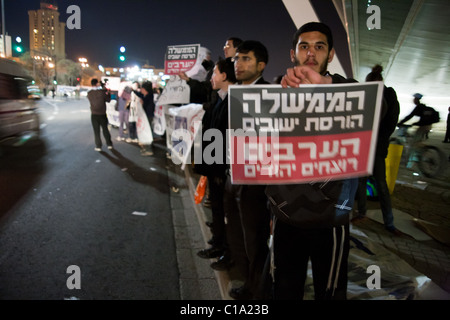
x: 216, y: 191
x: 379, y: 173
x: 249, y: 229
x: 328, y: 251
x: 447, y: 133
x: 100, y: 121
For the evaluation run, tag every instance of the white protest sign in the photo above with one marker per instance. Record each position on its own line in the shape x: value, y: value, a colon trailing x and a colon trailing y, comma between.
x: 182, y: 125
x: 144, y: 131
x: 176, y: 91
x: 321, y: 132
x: 159, y: 120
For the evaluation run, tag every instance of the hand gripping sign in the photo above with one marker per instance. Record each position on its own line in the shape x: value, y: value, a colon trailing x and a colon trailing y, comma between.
x: 306, y: 134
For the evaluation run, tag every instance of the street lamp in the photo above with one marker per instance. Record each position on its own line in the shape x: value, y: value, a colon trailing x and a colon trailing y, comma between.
x: 47, y: 61
x: 83, y: 62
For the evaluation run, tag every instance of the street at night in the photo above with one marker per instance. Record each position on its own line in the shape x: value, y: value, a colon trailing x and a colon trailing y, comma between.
x: 258, y: 151
x: 109, y: 213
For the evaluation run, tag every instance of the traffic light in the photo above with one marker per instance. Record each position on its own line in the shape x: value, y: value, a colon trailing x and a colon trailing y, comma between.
x: 122, y: 56
x: 18, y: 48
x: 54, y: 81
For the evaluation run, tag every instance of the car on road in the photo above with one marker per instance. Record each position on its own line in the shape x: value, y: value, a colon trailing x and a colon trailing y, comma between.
x: 19, y: 114
x: 34, y: 92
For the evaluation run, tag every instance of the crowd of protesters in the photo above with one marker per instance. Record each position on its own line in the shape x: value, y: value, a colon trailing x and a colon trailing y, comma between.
x: 245, y: 217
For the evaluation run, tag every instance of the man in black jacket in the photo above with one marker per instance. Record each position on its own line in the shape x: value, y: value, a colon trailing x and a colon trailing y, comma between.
x: 246, y: 205
x: 326, y: 246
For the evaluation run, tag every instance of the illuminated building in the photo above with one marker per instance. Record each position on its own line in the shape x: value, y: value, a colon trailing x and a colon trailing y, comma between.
x: 46, y: 32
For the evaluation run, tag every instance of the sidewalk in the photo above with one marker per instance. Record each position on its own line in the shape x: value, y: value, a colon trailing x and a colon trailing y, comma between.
x: 415, y: 265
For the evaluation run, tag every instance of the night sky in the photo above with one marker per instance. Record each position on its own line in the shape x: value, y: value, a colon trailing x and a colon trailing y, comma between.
x: 147, y: 27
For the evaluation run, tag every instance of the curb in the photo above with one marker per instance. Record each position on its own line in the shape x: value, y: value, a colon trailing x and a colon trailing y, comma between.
x: 222, y: 277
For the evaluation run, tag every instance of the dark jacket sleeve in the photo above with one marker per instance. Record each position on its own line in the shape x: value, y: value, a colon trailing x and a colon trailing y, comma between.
x: 139, y: 94
x: 200, y: 91
x: 107, y: 96
x: 337, y: 78
x: 409, y: 116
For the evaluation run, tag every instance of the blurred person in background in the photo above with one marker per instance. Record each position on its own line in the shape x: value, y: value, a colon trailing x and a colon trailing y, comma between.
x: 98, y: 96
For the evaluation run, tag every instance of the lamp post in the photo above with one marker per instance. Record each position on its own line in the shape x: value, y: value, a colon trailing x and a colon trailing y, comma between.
x: 3, y: 29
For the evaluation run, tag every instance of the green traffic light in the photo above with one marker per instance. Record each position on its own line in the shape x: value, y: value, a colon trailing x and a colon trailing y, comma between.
x: 122, y: 58
x: 19, y: 49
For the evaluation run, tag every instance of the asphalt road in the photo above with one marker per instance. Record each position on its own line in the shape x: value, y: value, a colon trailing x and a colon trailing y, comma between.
x: 68, y: 222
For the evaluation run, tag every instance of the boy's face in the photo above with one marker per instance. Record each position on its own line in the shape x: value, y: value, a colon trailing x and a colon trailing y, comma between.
x: 217, y: 79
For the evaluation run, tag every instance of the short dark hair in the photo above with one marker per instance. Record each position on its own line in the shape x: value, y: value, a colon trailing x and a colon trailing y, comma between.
x: 227, y: 66
x: 148, y: 85
x: 236, y: 41
x: 259, y: 50
x: 314, y: 26
x: 375, y: 75
x: 94, y: 82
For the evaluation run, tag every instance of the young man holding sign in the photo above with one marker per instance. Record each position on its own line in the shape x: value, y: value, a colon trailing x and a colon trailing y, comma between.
x: 327, y: 245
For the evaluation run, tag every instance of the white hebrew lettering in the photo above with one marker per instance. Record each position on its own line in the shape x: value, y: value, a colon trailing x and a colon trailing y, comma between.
x: 326, y: 123
x: 348, y: 142
x: 317, y: 102
x: 328, y: 167
x: 257, y: 102
x: 288, y: 125
x: 272, y: 96
x: 293, y: 107
x: 312, y: 123
x: 312, y: 149
x: 340, y: 119
x: 327, y: 153
x: 248, y: 123
x: 355, y: 94
x: 336, y: 101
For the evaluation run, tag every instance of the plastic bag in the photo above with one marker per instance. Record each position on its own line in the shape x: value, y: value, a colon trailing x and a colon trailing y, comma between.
x: 200, y: 191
